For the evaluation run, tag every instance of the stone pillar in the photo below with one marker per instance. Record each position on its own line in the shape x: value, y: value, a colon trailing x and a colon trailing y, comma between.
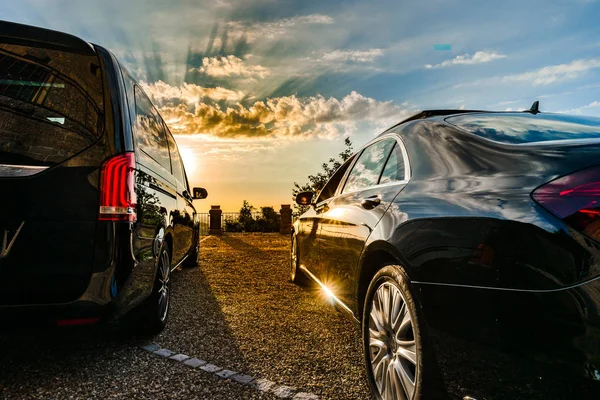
x: 215, y: 220
x: 286, y: 219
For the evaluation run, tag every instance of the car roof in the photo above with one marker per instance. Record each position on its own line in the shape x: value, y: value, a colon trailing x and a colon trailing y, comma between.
x: 425, y: 114
x: 26, y: 35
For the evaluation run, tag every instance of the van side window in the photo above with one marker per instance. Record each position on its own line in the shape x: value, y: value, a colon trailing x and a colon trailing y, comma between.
x: 175, y: 159
x: 150, y: 134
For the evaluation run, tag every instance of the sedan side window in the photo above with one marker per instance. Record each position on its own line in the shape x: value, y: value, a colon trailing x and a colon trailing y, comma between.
x: 331, y: 187
x: 369, y: 165
x: 394, y: 168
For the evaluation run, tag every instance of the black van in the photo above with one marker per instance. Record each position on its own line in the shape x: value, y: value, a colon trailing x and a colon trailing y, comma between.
x: 95, y: 206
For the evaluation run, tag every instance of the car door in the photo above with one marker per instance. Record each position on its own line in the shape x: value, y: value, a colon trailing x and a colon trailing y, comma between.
x: 375, y: 179
x: 183, y: 223
x: 310, y: 223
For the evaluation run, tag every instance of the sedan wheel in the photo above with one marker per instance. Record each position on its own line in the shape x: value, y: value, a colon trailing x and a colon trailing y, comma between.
x: 296, y: 274
x: 391, y: 344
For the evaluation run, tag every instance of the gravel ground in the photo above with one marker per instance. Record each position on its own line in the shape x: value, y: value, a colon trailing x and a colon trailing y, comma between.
x: 237, y: 310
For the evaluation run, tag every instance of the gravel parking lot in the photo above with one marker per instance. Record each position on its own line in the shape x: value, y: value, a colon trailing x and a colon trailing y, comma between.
x: 237, y: 311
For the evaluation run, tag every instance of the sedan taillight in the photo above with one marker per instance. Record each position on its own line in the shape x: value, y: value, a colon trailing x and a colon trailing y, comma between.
x: 574, y: 198
x: 117, y: 191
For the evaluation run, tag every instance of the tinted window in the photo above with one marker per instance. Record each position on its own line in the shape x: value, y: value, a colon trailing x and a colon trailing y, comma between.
x: 331, y: 187
x: 394, y: 168
x: 368, y: 167
x: 149, y: 130
x: 51, y: 105
x: 527, y: 128
x: 175, y: 159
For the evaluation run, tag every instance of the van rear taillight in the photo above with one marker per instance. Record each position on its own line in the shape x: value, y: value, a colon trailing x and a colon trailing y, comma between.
x: 117, y: 191
x: 574, y: 198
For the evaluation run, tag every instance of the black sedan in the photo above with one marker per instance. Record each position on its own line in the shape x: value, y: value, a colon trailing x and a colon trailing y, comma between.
x: 467, y: 244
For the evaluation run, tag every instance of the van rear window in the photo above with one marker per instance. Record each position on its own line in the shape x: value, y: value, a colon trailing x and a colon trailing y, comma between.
x: 518, y: 128
x: 51, y: 106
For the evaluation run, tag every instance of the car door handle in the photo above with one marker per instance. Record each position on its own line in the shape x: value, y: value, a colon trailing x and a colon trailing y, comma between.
x: 370, y: 202
x: 321, y: 209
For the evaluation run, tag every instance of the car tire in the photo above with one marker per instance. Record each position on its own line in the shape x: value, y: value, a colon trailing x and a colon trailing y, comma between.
x: 297, y: 276
x: 193, y: 258
x: 392, y: 340
x: 151, y: 316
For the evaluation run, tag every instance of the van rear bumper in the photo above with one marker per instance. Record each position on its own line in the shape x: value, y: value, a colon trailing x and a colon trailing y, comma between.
x: 118, y: 283
x: 75, y: 313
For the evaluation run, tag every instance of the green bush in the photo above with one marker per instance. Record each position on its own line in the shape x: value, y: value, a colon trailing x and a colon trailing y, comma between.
x: 233, y: 226
x: 268, y: 221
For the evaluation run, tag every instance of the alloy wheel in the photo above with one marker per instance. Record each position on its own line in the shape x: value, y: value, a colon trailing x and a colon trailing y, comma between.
x: 392, y: 347
x: 164, y: 277
x: 293, y: 260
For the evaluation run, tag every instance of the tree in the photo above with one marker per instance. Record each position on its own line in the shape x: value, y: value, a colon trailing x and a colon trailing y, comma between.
x: 318, y: 181
x: 246, y: 219
x: 268, y: 221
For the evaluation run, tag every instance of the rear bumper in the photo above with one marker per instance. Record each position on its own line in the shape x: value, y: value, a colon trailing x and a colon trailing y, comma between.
x: 119, y: 281
x: 77, y: 313
x: 515, y: 344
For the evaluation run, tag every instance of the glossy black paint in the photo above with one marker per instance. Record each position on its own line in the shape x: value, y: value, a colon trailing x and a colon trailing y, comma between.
x: 65, y: 263
x: 510, y: 296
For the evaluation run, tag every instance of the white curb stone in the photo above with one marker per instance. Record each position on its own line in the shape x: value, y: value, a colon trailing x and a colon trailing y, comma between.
x: 284, y: 392
x: 211, y: 368
x: 225, y: 373
x: 179, y: 357
x: 243, y: 379
x: 262, y: 384
x: 164, y: 353
x: 194, y: 362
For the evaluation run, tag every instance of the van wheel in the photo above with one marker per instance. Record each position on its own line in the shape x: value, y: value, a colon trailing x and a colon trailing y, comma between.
x: 192, y: 260
x: 150, y: 317
x: 392, y: 338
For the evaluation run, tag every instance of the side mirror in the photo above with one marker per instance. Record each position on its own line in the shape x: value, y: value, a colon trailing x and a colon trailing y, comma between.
x: 304, y: 198
x: 199, y: 193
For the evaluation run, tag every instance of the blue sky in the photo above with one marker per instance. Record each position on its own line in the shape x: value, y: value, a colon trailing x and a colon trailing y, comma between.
x: 260, y: 92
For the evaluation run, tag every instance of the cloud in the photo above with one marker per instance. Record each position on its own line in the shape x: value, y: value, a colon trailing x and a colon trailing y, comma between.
x: 230, y: 66
x: 287, y: 116
x: 276, y: 29
x: 479, y: 57
x: 554, y: 73
x: 352, y: 55
x: 591, y: 109
x: 163, y: 93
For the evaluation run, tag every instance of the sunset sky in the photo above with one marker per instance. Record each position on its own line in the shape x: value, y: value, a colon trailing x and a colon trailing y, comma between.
x: 260, y: 92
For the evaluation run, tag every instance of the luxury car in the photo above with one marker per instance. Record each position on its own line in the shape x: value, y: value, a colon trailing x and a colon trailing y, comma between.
x: 96, y: 206
x: 467, y: 246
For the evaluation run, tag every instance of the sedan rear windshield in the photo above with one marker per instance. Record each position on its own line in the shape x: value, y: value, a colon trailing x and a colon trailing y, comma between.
x: 518, y: 128
x: 51, y: 107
